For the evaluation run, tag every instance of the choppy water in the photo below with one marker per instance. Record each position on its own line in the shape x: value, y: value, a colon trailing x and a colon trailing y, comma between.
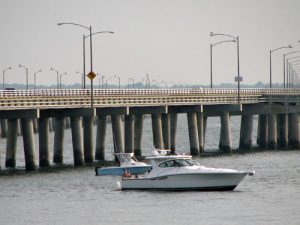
x: 77, y: 196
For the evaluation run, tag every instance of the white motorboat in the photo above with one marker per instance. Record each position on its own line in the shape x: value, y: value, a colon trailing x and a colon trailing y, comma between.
x: 180, y: 172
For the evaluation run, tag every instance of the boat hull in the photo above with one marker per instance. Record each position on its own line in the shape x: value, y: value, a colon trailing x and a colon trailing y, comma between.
x: 197, y: 181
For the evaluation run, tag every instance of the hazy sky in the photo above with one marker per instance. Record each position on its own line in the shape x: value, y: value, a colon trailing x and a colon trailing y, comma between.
x: 167, y: 39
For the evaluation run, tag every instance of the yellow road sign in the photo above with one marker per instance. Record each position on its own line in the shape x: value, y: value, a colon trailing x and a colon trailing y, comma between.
x: 91, y: 75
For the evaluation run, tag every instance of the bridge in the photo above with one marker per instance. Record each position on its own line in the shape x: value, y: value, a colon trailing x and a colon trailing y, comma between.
x: 278, y: 125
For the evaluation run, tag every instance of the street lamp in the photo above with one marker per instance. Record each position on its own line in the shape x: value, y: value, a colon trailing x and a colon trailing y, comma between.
x: 284, y: 65
x: 102, y: 80
x: 82, y: 77
x: 292, y: 71
x: 57, y: 73
x: 287, y: 69
x: 60, y: 76
x: 8, y: 68
x: 20, y: 65
x: 119, y: 80
x: 238, y: 79
x: 91, y: 73
x: 211, y: 46
x: 271, y: 51
x: 34, y: 78
x: 132, y: 82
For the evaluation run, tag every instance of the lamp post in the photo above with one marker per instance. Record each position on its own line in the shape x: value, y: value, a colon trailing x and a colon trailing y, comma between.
x: 91, y: 73
x: 8, y: 68
x: 26, y: 69
x: 132, y: 82
x: 211, y: 58
x: 119, y: 79
x: 57, y: 75
x: 34, y: 78
x: 292, y: 70
x: 82, y: 76
x: 284, y: 65
x: 271, y: 51
x: 61, y: 75
x: 238, y: 79
x: 83, y: 40
x: 287, y: 69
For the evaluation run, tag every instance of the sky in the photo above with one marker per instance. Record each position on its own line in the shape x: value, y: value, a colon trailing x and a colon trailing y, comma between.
x: 167, y: 39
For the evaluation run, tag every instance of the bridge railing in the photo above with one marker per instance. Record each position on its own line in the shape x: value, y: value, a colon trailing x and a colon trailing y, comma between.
x: 80, y: 98
x: 121, y: 92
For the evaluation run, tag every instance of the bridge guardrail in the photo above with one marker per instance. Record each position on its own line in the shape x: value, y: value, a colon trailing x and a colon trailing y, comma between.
x: 78, y: 98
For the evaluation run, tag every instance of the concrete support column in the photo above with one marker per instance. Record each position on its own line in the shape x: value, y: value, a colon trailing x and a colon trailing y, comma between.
x: 157, y: 131
x: 166, y: 124
x: 272, y: 131
x: 27, y: 130
x: 116, y: 122
x: 138, y: 134
x: 262, y: 131
x: 50, y: 124
x: 246, y: 132
x: 3, y: 123
x: 77, y: 140
x: 282, y: 130
x: 200, y: 126
x: 19, y: 128
x: 67, y: 122
x: 173, y: 129
x: 129, y: 133
x: 43, y: 142
x: 88, y: 139
x: 193, y: 133
x: 100, y: 139
x: 11, y: 143
x: 225, y: 136
x: 59, y: 131
x: 294, y: 131
x: 35, y: 125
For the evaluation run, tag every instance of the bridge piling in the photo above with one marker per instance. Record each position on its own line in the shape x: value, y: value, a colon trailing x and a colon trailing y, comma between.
x: 157, y: 131
x: 138, y: 134
x: 282, y: 130
x: 294, y: 131
x: 88, y: 139
x: 173, y: 129
x: 43, y: 142
x: 272, y: 131
x: 246, y: 132
x: 166, y: 120
x: 77, y: 140
x: 3, y: 123
x: 201, y: 128
x: 225, y: 135
x: 129, y: 133
x: 35, y: 125
x: 193, y: 133
x: 28, y: 140
x: 11, y: 143
x: 262, y: 131
x: 59, y: 131
x: 100, y: 139
x: 116, y: 121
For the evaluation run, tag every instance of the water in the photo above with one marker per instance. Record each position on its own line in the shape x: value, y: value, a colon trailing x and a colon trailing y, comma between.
x: 77, y: 196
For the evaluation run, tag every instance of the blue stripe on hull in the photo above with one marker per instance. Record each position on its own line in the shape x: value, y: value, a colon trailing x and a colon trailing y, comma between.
x: 119, y: 171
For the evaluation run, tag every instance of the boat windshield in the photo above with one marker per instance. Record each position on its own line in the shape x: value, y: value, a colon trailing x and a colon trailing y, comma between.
x: 178, y: 162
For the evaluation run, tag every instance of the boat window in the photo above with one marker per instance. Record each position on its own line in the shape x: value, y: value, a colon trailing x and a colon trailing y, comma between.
x: 170, y: 163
